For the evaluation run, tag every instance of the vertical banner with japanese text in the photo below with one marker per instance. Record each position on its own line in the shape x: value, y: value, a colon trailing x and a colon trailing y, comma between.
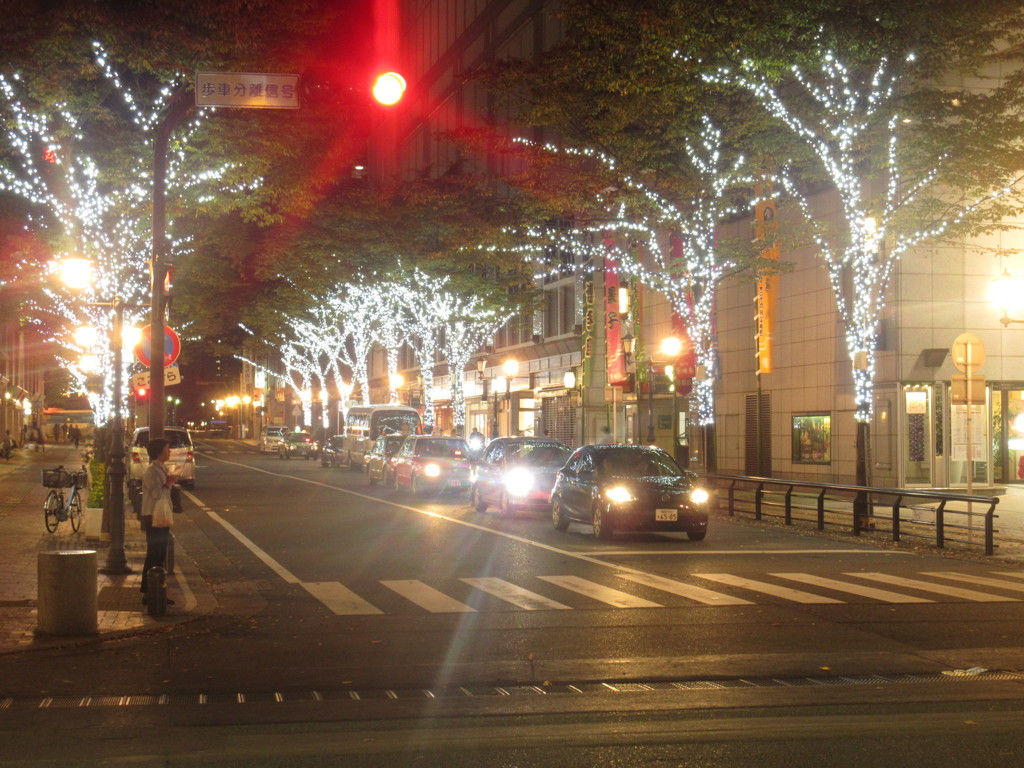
x: 587, y: 337
x: 767, y: 283
x: 617, y: 374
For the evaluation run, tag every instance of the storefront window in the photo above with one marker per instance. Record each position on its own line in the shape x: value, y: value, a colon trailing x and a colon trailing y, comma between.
x: 812, y: 438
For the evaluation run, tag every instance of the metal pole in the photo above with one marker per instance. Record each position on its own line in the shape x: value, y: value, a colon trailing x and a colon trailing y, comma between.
x: 178, y: 107
x: 650, y: 403
x: 116, y: 560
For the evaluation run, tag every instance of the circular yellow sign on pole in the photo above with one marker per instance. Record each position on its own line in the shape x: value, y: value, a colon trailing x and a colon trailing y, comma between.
x: 968, y: 353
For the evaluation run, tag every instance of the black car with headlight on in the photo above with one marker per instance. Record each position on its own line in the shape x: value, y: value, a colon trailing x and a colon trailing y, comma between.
x: 628, y: 488
x: 517, y: 473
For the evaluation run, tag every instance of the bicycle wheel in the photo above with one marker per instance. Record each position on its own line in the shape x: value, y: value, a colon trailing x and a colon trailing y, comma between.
x: 51, y: 510
x: 75, y: 510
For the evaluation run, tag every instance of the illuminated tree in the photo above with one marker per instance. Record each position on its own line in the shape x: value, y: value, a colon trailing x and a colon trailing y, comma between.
x: 853, y: 127
x: 466, y: 324
x: 688, y: 275
x: 92, y: 211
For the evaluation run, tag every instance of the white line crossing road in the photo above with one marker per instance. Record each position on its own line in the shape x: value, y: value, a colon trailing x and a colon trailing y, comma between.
x: 786, y: 593
x: 854, y: 589
x: 698, y: 594
x: 941, y: 589
x: 979, y: 580
x: 522, y: 598
x: 343, y: 601
x: 427, y: 597
x: 339, y: 599
x: 599, y: 592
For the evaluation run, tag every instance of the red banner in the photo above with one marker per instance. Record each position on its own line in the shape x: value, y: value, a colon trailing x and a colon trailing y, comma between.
x: 617, y: 373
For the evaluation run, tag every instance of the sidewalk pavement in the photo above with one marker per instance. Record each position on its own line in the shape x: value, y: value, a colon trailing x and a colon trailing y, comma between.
x: 23, y: 536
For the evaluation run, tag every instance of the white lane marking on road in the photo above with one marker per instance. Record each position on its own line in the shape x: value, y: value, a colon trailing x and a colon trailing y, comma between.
x: 599, y: 592
x: 699, y: 594
x: 854, y: 589
x: 333, y: 595
x: 692, y: 552
x: 339, y: 599
x: 981, y: 581
x: 796, y: 595
x: 427, y: 597
x: 248, y: 543
x: 940, y: 589
x: 518, y: 596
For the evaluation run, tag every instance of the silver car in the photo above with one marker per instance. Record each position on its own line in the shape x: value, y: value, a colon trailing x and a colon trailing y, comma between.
x: 270, y: 438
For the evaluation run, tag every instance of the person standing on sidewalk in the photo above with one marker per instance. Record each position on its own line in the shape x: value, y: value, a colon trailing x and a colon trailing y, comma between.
x: 156, y: 484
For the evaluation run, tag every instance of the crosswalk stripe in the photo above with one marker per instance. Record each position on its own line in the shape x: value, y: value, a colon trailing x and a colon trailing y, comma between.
x: 690, y: 591
x: 1014, y: 574
x: 427, y: 597
x: 854, y: 589
x: 339, y: 599
x: 979, y: 580
x: 786, y: 593
x: 518, y: 596
x: 599, y: 592
x: 941, y: 589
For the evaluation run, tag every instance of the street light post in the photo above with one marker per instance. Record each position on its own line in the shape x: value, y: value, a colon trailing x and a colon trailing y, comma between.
x: 76, y: 275
x: 117, y: 562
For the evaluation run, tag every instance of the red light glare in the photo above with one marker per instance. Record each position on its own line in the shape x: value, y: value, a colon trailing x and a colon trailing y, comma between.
x: 388, y: 88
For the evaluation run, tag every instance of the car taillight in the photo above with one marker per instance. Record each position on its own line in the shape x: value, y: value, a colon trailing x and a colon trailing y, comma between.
x: 190, y: 456
x: 135, y: 458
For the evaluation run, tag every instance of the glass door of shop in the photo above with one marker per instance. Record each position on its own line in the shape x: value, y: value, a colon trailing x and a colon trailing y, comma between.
x: 921, y: 435
x: 1008, y: 432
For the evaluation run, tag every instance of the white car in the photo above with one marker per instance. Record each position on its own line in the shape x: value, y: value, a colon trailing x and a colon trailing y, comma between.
x: 182, y: 462
x: 271, y: 438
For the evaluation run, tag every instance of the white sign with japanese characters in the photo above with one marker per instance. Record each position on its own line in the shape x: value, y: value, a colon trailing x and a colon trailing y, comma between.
x: 252, y: 90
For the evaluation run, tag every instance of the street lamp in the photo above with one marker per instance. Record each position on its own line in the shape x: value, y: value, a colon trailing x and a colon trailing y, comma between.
x: 77, y: 273
x: 1005, y: 294
x: 395, y: 382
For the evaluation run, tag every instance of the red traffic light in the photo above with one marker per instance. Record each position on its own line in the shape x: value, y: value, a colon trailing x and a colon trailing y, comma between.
x: 388, y: 88
x: 141, y: 392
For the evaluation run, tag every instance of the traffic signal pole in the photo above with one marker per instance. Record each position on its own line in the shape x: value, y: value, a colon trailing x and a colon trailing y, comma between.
x: 179, y: 105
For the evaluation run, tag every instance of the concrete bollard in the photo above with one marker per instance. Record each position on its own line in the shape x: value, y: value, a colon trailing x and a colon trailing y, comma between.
x: 67, y: 603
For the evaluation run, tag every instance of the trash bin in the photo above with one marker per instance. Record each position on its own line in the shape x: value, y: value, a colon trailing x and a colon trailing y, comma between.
x: 66, y: 599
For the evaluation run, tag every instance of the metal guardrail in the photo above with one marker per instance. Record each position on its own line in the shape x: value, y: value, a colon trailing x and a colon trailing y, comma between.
x: 930, y: 515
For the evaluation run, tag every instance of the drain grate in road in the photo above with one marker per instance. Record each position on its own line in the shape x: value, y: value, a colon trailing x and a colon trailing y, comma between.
x: 463, y: 692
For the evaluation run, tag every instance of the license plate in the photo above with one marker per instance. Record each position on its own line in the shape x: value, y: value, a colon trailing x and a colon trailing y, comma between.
x: 666, y: 515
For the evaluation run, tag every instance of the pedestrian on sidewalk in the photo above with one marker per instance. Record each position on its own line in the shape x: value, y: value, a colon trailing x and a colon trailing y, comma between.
x: 156, y: 485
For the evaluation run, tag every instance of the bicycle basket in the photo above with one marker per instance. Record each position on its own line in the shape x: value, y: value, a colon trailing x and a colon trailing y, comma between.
x: 57, y: 478
x: 81, y: 479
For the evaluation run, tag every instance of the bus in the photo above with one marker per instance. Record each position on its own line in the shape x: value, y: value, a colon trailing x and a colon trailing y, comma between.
x: 365, y: 423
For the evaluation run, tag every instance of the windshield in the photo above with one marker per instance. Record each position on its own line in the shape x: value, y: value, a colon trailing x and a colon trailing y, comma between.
x: 176, y: 437
x: 441, y: 449
x: 627, y: 462
x: 397, y: 422
x: 539, y: 454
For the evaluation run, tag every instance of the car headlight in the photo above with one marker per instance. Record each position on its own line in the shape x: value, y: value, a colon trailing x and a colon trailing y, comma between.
x: 519, y: 481
x: 618, y: 494
x: 432, y: 470
x: 699, y: 495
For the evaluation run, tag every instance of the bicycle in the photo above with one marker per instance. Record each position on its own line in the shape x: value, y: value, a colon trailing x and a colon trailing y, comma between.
x: 54, y: 510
